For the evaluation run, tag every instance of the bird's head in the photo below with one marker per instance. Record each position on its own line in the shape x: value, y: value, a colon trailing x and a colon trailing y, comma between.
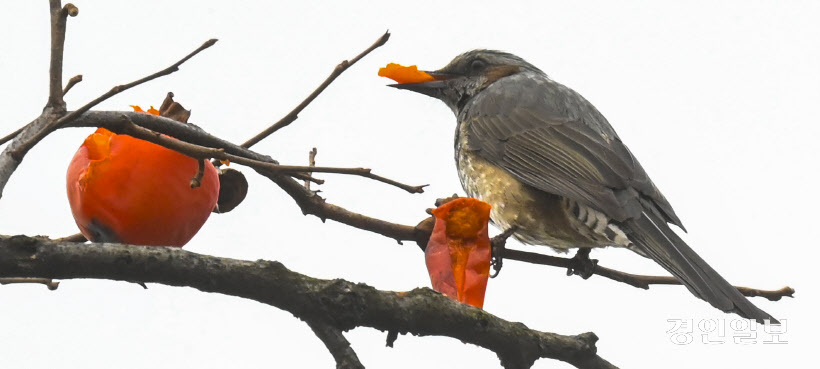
x: 468, y: 74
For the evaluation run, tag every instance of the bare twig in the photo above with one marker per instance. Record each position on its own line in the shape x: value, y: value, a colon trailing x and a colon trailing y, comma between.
x: 311, y: 163
x: 635, y: 280
x: 52, y: 285
x: 294, y: 114
x: 337, y: 344
x: 55, y: 69
x: 115, y: 90
x: 363, y: 172
x: 71, y: 82
x: 201, y: 152
x: 11, y: 136
x: 35, y: 131
x: 337, y: 303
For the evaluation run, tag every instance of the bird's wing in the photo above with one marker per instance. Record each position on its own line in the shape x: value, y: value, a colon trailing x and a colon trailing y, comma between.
x: 551, y: 138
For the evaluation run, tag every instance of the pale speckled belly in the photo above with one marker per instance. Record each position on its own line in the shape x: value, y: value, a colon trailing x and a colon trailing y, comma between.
x: 541, y: 218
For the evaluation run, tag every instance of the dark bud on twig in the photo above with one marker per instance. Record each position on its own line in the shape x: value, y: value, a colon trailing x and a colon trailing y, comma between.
x: 71, y: 9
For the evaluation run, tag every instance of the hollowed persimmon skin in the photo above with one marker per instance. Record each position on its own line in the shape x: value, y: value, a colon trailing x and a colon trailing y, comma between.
x: 122, y: 189
x: 458, y: 253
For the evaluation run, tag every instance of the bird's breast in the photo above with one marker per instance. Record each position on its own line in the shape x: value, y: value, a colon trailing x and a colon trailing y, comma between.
x: 540, y: 217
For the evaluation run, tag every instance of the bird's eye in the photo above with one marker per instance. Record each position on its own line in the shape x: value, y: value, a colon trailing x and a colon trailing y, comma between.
x: 477, y: 65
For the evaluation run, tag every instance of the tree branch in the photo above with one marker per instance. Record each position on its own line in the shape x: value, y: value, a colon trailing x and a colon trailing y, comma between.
x: 52, y: 118
x: 337, y: 303
x: 635, y: 280
x: 310, y: 203
x: 294, y: 114
x: 125, y: 125
x: 59, y: 16
x: 311, y: 164
x: 337, y: 344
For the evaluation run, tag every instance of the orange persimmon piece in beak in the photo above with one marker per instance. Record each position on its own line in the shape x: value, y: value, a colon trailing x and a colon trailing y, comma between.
x: 402, y: 74
x: 458, y: 253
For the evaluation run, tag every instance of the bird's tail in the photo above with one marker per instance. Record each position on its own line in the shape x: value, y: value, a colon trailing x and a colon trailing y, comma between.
x: 653, y: 237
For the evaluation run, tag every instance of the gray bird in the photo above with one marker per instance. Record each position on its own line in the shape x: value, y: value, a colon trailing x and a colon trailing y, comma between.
x: 556, y: 172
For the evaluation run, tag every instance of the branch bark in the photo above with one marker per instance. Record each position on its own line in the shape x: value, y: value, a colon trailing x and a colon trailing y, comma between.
x: 337, y: 303
x: 337, y: 344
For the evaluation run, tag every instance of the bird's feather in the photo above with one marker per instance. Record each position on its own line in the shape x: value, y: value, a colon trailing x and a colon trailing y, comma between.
x: 654, y: 238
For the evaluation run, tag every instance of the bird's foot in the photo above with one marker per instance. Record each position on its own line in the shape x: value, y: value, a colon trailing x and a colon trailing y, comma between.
x: 582, y: 265
x: 497, y: 246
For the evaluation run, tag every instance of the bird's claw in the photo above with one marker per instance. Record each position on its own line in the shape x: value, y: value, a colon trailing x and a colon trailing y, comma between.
x: 497, y: 246
x: 582, y: 265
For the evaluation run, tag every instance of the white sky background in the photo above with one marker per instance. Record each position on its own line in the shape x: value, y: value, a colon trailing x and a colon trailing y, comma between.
x: 717, y: 101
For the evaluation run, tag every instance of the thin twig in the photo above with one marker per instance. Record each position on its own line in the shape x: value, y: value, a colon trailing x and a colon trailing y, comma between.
x: 48, y: 121
x: 55, y: 69
x: 52, y: 285
x: 71, y: 82
x: 21, y: 150
x: 11, y: 136
x: 635, y: 280
x: 363, y: 172
x: 202, y: 152
x: 311, y: 163
x: 294, y: 114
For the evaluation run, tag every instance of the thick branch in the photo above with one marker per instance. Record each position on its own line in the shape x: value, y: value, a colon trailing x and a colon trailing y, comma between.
x: 337, y: 303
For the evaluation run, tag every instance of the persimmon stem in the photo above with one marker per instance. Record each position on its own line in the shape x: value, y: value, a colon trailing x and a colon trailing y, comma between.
x: 200, y: 172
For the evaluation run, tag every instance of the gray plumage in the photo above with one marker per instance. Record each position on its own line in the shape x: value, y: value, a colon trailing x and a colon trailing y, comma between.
x: 550, y: 164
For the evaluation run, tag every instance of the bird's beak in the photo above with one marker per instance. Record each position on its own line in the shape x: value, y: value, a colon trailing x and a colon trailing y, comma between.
x: 432, y: 88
